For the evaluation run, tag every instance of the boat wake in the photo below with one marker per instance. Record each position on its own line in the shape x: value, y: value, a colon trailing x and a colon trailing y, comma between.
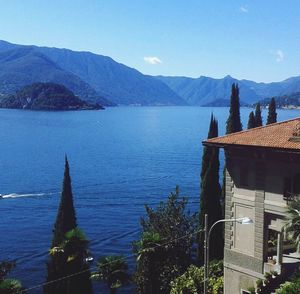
x: 16, y: 195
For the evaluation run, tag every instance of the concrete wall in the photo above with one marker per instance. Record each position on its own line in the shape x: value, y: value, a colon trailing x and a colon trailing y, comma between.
x: 243, y: 262
x: 235, y: 280
x: 260, y: 198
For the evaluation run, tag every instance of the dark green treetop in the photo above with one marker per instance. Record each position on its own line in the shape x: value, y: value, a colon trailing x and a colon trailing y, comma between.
x: 272, y: 115
x: 66, y: 217
x: 212, y: 133
x: 234, y: 120
x: 258, y: 118
x: 251, y: 121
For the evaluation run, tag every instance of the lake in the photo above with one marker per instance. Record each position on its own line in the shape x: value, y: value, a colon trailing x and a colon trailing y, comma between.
x: 120, y: 159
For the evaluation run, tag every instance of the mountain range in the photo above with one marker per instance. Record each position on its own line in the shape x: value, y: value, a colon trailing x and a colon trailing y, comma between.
x: 94, y: 78
x: 206, y: 91
x: 100, y: 79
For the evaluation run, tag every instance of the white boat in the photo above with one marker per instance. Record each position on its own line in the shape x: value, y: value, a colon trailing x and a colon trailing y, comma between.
x: 89, y: 259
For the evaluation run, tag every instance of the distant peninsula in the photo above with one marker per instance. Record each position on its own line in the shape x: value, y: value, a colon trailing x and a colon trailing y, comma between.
x: 46, y: 96
x: 223, y: 103
x: 291, y: 101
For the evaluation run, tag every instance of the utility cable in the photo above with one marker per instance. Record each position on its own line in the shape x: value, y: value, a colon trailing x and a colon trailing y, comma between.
x: 128, y: 232
x: 121, y: 258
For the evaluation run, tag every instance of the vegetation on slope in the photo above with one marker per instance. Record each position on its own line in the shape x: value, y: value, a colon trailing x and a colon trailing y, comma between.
x: 45, y: 96
x: 285, y: 101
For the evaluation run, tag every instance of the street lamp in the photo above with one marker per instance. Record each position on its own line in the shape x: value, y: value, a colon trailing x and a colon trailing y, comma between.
x: 243, y: 221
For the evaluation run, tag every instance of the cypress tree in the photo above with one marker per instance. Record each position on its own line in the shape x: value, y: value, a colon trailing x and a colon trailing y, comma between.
x: 213, y: 132
x: 66, y: 217
x: 272, y: 115
x: 210, y: 198
x: 68, y: 250
x: 251, y: 121
x: 234, y: 120
x: 233, y: 123
x: 258, y: 118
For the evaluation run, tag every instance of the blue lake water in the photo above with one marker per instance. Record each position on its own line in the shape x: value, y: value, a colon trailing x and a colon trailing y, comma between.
x: 120, y: 159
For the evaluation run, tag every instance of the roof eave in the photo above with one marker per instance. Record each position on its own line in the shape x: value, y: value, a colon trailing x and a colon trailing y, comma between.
x: 224, y: 145
x: 214, y: 144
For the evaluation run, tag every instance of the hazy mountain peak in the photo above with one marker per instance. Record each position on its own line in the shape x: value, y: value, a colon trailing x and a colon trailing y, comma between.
x: 229, y: 77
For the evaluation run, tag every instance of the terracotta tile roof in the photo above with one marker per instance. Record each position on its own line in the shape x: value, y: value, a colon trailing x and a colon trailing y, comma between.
x: 277, y: 135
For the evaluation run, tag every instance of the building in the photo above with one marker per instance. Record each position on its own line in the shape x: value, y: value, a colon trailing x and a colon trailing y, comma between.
x: 262, y: 176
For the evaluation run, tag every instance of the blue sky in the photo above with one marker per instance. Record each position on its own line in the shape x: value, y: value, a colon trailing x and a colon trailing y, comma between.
x: 256, y: 40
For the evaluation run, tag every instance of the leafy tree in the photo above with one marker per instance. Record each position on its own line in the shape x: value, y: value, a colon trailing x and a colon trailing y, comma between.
x: 113, y: 271
x: 210, y: 197
x: 69, y: 258
x: 272, y: 115
x: 165, y: 248
x: 258, y: 118
x: 191, y: 282
x: 251, y: 121
x: 150, y: 252
x: 234, y: 120
x: 8, y: 286
x: 68, y: 250
x: 293, y: 222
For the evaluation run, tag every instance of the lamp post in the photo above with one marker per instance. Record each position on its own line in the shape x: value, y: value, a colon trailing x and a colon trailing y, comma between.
x: 242, y: 220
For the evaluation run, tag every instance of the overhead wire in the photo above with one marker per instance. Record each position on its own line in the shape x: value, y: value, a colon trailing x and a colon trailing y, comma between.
x: 53, y: 191
x: 128, y: 232
x: 107, y: 263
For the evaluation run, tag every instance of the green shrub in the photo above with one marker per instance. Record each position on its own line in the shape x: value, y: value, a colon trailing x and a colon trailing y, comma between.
x: 10, y: 286
x: 259, y: 284
x: 191, y: 282
x: 290, y: 287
